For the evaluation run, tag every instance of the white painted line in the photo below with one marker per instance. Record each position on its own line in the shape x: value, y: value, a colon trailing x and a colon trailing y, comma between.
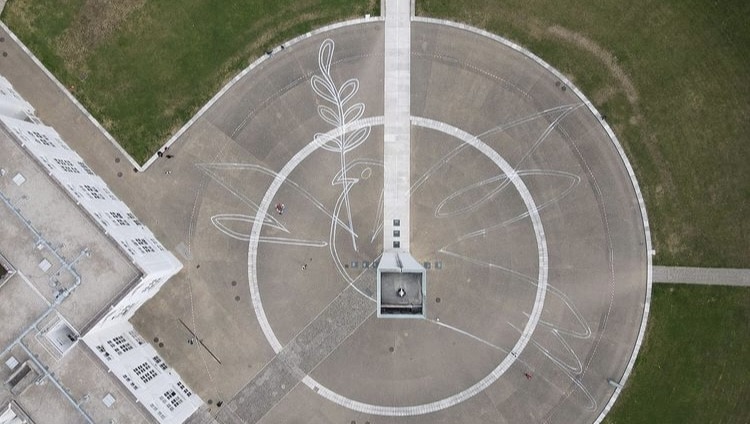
x: 526, y: 333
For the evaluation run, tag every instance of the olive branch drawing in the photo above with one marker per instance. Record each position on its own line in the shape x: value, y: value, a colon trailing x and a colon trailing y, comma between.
x: 340, y: 116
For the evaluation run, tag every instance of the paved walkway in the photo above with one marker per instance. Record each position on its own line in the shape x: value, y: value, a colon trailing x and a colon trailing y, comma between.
x: 709, y: 276
x: 303, y: 354
x: 300, y: 357
x: 397, y: 142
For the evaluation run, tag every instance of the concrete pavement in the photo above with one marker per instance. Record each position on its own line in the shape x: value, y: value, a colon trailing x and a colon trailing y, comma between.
x: 708, y: 276
x: 397, y: 141
x: 482, y: 285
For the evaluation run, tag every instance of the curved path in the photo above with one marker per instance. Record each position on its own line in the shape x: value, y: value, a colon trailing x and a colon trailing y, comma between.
x: 523, y: 209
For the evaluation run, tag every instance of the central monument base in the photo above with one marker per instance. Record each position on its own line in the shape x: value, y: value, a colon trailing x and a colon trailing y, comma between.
x: 401, y: 286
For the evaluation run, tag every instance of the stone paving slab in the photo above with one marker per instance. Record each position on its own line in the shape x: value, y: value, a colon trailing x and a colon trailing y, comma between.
x: 709, y: 276
x: 321, y: 337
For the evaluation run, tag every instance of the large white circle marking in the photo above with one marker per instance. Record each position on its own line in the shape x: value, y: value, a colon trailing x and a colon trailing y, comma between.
x: 525, y: 334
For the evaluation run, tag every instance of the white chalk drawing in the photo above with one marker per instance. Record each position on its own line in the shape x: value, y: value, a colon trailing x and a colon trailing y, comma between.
x: 340, y: 115
x: 498, y: 183
x: 338, y: 108
x: 442, y: 210
x: 501, y: 182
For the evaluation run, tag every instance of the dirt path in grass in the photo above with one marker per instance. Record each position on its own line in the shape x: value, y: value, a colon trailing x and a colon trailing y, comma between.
x: 94, y: 24
x: 665, y: 186
x: 606, y: 57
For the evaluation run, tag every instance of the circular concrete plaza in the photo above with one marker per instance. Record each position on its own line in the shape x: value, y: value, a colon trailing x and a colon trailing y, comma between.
x: 523, y: 213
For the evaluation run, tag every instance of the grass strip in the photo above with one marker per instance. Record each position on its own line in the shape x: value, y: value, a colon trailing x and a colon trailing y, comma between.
x: 692, y: 368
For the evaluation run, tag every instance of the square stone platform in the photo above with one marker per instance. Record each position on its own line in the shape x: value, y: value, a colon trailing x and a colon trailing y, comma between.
x: 401, y: 286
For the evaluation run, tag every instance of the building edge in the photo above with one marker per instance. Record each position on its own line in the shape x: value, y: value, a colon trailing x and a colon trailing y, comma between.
x: 112, y: 338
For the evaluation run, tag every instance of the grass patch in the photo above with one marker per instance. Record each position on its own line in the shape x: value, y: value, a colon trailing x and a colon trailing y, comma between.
x: 672, y: 79
x: 692, y: 368
x: 143, y: 68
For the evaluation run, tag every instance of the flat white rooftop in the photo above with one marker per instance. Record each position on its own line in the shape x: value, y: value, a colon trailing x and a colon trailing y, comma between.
x: 50, y: 240
x: 50, y: 243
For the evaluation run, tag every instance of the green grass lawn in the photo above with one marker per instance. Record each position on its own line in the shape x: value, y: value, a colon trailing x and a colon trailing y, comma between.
x: 672, y: 78
x: 693, y: 367
x: 143, y: 68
